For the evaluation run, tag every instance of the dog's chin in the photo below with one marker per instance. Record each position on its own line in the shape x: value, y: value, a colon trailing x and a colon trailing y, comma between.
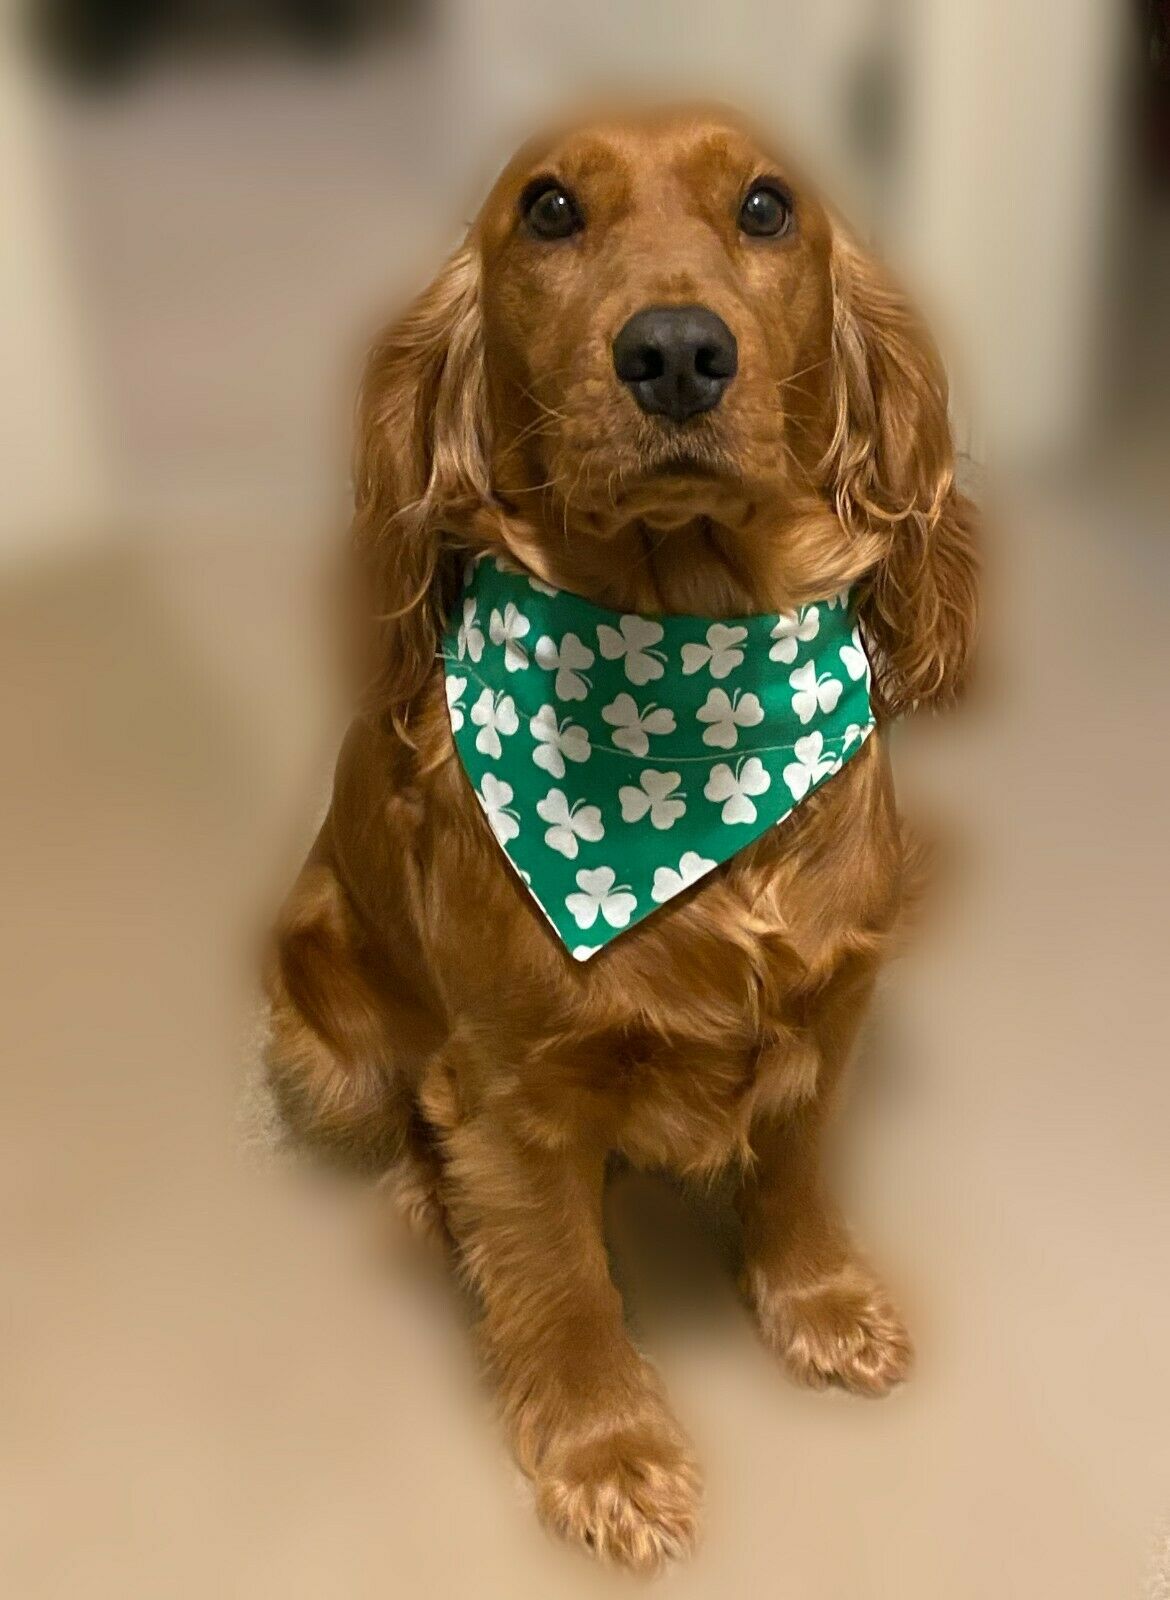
x: 677, y: 486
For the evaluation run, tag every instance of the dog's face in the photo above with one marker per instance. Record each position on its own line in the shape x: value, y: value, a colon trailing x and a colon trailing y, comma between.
x: 660, y: 372
x: 657, y: 317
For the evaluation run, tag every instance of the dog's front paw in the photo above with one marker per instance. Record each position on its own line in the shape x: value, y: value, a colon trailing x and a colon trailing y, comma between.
x: 631, y: 1496
x: 841, y: 1330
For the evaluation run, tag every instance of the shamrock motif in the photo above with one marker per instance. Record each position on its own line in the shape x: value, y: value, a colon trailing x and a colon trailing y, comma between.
x: 854, y: 658
x: 735, y: 789
x: 600, y: 891
x: 627, y: 672
x: 568, y: 823
x: 508, y: 630
x: 567, y: 662
x: 794, y: 628
x: 469, y: 639
x: 495, y: 796
x: 656, y: 796
x: 727, y: 716
x: 720, y: 653
x: 668, y: 882
x: 455, y: 690
x: 812, y: 763
x: 633, y: 726
x: 493, y: 715
x: 813, y: 692
x: 556, y: 740
x: 633, y: 639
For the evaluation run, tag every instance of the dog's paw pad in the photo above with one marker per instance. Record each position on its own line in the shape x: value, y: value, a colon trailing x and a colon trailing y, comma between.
x: 631, y: 1498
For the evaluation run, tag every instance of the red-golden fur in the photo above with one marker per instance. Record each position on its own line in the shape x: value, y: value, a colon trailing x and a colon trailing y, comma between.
x: 424, y: 1018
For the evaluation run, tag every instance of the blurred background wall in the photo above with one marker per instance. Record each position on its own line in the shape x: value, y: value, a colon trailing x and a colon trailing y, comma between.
x: 208, y: 211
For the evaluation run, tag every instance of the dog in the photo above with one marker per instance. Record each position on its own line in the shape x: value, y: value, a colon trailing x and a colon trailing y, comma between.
x: 772, y: 433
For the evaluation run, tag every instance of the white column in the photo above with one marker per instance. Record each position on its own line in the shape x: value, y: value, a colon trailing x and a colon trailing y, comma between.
x: 53, y: 483
x: 1010, y: 145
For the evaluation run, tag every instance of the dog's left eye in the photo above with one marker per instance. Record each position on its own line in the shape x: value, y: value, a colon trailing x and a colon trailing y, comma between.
x: 766, y: 211
x: 549, y: 211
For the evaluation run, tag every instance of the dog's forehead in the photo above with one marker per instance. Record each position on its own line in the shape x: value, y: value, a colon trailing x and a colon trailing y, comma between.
x: 620, y: 153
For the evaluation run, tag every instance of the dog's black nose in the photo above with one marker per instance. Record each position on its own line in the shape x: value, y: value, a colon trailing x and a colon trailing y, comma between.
x: 676, y: 360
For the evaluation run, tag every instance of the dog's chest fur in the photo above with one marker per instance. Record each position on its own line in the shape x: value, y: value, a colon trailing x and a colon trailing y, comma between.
x: 672, y: 1039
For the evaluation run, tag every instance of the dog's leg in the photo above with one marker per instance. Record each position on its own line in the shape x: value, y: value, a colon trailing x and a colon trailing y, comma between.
x: 817, y: 1303
x: 610, y: 1466
x: 334, y: 1040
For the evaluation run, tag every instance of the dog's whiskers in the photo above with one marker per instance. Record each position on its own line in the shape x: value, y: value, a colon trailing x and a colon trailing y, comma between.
x: 812, y: 367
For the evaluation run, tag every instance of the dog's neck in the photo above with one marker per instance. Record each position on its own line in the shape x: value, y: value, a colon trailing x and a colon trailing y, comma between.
x: 751, y: 557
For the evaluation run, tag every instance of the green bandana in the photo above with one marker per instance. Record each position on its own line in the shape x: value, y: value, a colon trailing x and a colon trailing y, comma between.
x: 619, y: 758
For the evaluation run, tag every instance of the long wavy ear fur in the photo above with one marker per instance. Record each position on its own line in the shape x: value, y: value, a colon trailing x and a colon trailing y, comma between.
x: 420, y: 467
x: 891, y: 470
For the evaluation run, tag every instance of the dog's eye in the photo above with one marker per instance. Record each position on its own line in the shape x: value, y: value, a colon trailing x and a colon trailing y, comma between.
x: 549, y: 211
x: 766, y: 211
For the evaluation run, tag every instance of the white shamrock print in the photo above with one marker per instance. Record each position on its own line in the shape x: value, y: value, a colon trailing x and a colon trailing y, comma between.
x: 655, y: 795
x: 793, y: 628
x: 455, y: 690
x: 540, y: 586
x: 634, y: 638
x: 727, y: 716
x: 556, y: 740
x: 495, y: 796
x: 493, y: 716
x: 508, y: 630
x: 582, y: 952
x: 721, y: 653
x: 839, y: 600
x: 668, y: 882
x: 737, y: 788
x: 812, y: 763
x: 853, y: 733
x: 469, y: 639
x: 600, y: 891
x: 568, y: 823
x: 568, y: 663
x: 634, y: 727
x: 854, y: 658
x: 812, y: 691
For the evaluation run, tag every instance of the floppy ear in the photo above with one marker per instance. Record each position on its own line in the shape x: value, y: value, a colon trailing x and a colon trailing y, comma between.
x: 420, y: 468
x: 891, y: 469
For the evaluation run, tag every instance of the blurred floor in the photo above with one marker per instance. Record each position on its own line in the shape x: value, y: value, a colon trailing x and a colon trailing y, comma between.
x: 222, y: 1377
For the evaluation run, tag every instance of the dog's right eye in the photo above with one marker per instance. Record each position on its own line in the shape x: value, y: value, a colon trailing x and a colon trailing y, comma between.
x: 549, y: 210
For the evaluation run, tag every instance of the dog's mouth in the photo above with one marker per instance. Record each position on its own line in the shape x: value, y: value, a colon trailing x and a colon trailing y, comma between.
x: 687, y: 466
x: 672, y: 458
x: 663, y: 475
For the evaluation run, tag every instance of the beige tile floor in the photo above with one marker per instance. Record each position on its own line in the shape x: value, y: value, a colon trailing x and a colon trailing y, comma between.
x: 222, y: 1376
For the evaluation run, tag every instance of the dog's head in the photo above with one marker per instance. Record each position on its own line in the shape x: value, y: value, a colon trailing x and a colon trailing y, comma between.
x: 655, y: 324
